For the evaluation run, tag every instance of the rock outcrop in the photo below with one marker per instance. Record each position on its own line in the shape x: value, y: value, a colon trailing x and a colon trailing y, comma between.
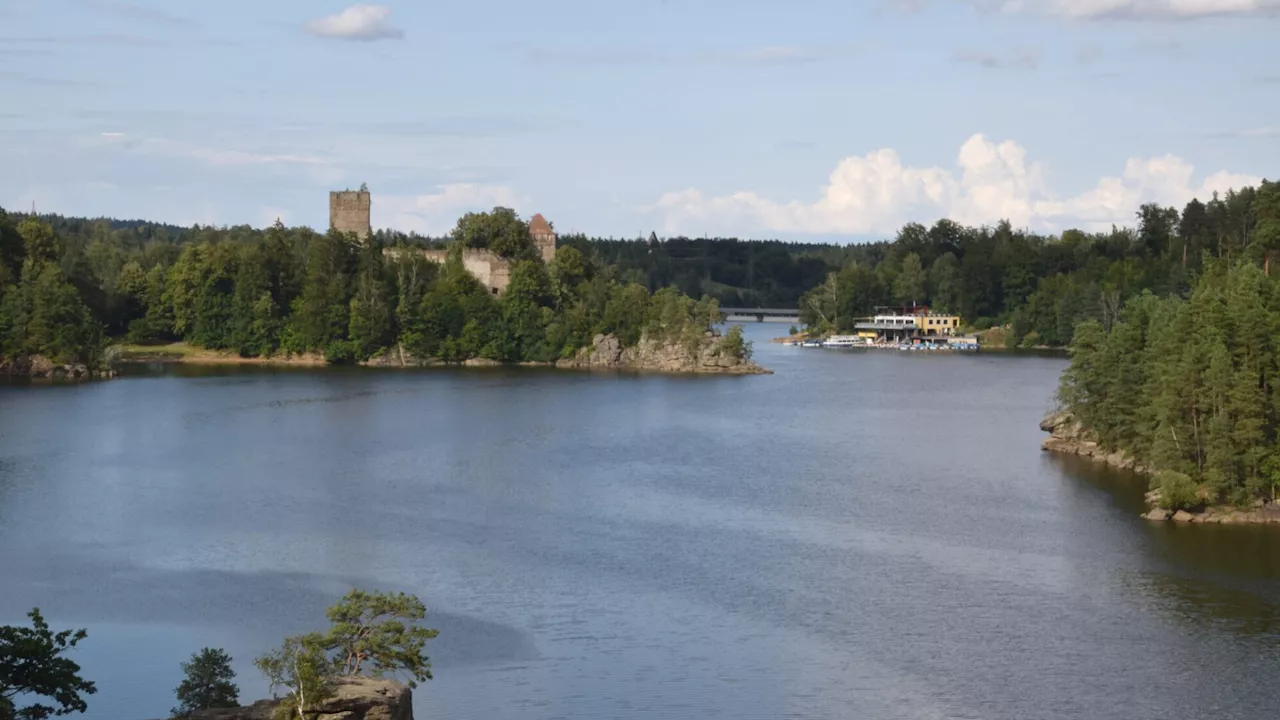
x: 1067, y: 436
x: 40, y: 367
x: 354, y: 699
x: 607, y: 353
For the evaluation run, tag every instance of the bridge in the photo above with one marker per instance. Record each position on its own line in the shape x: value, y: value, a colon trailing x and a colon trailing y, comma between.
x: 790, y: 315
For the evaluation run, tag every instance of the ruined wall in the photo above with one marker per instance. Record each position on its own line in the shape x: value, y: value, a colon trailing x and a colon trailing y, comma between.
x: 492, y: 271
x: 349, y: 212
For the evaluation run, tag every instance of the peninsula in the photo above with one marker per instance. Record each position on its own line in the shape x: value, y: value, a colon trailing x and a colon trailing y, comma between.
x: 498, y: 291
x: 1184, y: 390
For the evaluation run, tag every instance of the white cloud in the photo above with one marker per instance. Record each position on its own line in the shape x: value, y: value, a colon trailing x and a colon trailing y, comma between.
x: 1133, y: 9
x: 358, y: 22
x: 436, y: 214
x: 877, y: 193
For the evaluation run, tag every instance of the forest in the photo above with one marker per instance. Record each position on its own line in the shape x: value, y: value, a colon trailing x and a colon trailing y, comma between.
x: 68, y: 286
x: 1189, y: 387
x: 1041, y: 287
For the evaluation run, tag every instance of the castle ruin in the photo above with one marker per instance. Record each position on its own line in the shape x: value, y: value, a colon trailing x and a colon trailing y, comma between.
x: 544, y: 238
x: 349, y: 212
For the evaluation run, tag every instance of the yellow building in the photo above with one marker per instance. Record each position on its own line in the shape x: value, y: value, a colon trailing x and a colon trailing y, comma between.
x: 937, y: 324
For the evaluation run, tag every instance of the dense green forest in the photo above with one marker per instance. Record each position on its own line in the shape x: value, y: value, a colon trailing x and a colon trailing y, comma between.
x: 1043, y: 286
x: 67, y: 285
x: 1189, y: 387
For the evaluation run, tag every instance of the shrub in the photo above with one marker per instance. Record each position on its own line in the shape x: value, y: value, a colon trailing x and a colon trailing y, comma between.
x: 340, y: 352
x: 733, y: 345
x: 1177, y: 490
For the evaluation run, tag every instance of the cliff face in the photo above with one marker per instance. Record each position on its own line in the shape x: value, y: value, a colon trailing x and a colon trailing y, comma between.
x: 358, y: 698
x: 607, y: 353
x: 1067, y: 436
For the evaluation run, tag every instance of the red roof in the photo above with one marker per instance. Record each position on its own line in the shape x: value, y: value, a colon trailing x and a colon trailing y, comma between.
x: 538, y: 225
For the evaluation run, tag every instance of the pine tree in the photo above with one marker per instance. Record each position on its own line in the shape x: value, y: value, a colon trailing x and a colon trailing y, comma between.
x: 208, y: 683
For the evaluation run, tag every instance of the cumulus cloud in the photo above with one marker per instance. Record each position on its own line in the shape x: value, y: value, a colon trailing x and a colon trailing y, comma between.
x: 1133, y: 9
x: 876, y: 193
x: 358, y: 22
x: 436, y: 213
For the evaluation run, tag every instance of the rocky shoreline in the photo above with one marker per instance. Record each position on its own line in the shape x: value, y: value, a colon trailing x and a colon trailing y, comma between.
x: 1068, y: 437
x: 38, y: 367
x: 709, y: 357
x: 605, y: 353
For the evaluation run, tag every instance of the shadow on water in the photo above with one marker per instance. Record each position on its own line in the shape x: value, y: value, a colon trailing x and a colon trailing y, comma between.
x: 1228, y: 574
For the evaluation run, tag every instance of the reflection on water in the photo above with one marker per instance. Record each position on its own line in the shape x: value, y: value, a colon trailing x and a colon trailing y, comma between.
x: 862, y: 534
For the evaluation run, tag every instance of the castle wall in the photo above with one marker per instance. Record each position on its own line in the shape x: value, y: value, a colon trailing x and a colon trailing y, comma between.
x: 491, y: 270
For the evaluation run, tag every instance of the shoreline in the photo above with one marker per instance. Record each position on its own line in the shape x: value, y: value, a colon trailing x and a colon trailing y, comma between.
x: 184, y: 354
x: 1067, y: 437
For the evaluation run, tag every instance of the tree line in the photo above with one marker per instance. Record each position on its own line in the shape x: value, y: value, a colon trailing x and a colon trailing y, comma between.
x: 1042, y: 286
x: 68, y: 285
x: 371, y: 633
x: 1189, y: 386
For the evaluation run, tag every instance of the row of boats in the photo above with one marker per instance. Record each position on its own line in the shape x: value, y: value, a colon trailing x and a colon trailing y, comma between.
x: 843, y: 342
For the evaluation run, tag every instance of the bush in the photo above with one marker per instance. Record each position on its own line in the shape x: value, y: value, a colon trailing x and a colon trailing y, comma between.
x: 1031, y: 340
x: 340, y: 352
x: 1177, y: 490
x: 733, y: 345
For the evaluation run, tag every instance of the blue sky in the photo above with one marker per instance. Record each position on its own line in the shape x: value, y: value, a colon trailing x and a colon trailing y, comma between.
x: 798, y: 120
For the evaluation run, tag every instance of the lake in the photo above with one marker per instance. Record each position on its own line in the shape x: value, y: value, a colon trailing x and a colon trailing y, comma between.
x: 864, y: 534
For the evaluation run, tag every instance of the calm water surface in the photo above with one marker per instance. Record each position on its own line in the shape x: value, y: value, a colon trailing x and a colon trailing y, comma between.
x: 861, y: 535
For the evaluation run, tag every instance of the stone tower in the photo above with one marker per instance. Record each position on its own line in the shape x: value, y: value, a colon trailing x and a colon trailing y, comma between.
x: 349, y: 212
x: 544, y: 238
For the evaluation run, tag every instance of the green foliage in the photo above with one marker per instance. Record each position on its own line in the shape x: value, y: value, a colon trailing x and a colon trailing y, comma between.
x: 157, y: 283
x: 207, y: 683
x: 303, y: 670
x: 372, y: 633
x: 733, y: 345
x: 1188, y: 386
x: 908, y: 287
x: 375, y: 633
x: 44, y: 315
x: 1177, y: 490
x: 500, y: 230
x: 33, y: 666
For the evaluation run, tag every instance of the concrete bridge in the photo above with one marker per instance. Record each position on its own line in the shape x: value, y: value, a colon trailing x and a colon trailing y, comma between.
x: 780, y: 315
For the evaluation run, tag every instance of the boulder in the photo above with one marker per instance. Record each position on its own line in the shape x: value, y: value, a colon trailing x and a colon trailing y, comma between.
x: 40, y: 367
x: 1183, y: 516
x: 1053, y: 420
x: 1157, y: 514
